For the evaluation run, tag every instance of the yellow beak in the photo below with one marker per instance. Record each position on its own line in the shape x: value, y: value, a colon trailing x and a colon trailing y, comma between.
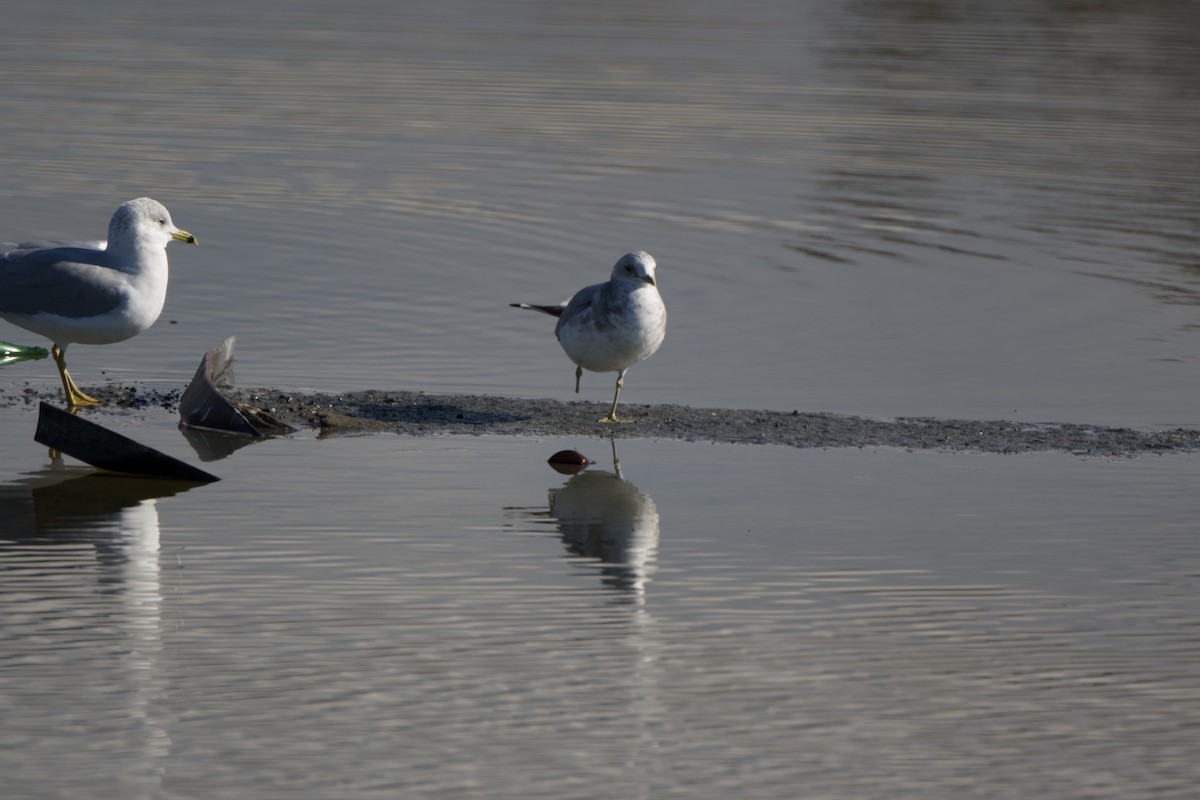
x: 184, y: 236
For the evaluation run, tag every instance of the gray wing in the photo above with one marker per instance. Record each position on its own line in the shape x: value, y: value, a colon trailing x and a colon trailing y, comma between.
x: 63, y: 280
x: 581, y: 305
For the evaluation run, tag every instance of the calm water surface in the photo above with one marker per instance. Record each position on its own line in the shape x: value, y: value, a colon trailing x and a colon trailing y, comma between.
x: 883, y: 208
x: 973, y: 210
x: 449, y: 616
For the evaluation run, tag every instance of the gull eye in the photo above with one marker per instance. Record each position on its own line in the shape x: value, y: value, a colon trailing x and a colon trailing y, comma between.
x: 162, y: 221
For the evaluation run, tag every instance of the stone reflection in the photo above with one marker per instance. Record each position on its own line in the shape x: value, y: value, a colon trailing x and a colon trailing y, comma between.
x: 215, y: 445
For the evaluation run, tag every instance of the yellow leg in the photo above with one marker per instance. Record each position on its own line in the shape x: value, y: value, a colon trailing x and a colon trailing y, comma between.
x: 616, y: 461
x: 612, y: 414
x: 75, y: 396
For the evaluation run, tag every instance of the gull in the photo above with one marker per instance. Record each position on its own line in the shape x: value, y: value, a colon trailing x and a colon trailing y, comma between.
x: 611, y: 326
x: 91, y: 292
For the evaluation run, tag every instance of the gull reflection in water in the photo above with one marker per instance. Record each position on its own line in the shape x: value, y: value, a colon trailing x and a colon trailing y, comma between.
x: 603, y: 516
x: 56, y: 527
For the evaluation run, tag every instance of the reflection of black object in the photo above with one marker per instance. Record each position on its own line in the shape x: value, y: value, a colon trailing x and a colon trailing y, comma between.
x: 603, y: 516
x: 105, y: 449
x: 82, y: 549
x: 96, y: 496
x: 203, y: 406
x: 68, y: 505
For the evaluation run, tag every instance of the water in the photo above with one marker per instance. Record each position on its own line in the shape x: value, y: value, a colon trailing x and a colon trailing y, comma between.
x: 967, y: 210
x: 859, y: 623
x: 875, y: 208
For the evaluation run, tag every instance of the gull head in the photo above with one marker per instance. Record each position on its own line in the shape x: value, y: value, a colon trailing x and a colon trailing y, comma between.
x: 637, y: 267
x: 144, y: 221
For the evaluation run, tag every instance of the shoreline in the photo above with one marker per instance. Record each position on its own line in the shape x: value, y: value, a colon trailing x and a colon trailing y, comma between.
x: 423, y: 414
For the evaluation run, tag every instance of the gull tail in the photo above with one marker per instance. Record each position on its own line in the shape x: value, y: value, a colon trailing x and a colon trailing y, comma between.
x: 554, y: 311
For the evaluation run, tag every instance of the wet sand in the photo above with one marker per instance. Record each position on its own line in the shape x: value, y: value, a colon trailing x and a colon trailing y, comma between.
x: 421, y: 414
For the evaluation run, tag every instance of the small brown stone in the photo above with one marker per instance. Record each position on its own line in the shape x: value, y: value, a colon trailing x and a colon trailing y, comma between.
x: 568, y: 462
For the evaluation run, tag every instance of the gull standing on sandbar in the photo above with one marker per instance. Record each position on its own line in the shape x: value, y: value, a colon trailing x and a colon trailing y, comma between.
x: 91, y: 292
x: 611, y: 326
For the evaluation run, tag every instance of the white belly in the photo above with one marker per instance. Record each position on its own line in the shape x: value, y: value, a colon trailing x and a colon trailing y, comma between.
x: 611, y: 348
